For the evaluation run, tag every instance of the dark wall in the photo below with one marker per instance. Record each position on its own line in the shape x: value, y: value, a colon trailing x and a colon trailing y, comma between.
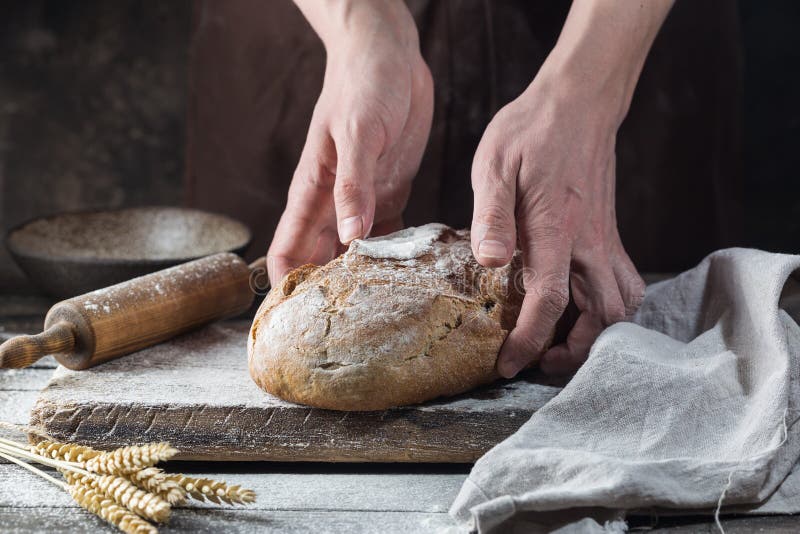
x: 91, y: 107
x: 92, y: 98
x: 771, y: 35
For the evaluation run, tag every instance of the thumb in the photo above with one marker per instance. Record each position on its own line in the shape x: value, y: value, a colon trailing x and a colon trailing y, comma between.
x: 354, y: 189
x: 494, y: 235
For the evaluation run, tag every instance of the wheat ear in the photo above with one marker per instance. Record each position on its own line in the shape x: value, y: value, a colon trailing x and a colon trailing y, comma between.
x: 125, y: 494
x: 103, y: 506
x: 64, y: 451
x: 214, y: 490
x: 128, y: 460
x: 154, y: 480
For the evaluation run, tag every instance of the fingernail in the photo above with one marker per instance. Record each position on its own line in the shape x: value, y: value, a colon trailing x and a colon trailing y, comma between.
x: 350, y: 229
x: 492, y: 249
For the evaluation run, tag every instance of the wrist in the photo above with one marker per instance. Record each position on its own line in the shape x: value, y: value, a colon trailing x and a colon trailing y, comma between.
x: 601, y: 51
x: 346, y: 25
x: 604, y: 95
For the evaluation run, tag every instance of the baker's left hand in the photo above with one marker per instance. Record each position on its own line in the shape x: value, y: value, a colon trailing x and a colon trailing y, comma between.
x: 545, y: 171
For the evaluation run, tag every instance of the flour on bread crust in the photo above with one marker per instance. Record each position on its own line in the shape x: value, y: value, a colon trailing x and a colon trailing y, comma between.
x: 395, y: 320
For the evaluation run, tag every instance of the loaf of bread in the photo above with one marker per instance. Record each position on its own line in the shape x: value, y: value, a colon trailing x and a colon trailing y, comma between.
x: 395, y: 320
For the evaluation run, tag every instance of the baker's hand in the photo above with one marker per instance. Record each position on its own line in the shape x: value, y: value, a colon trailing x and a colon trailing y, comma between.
x: 544, y: 171
x: 367, y: 134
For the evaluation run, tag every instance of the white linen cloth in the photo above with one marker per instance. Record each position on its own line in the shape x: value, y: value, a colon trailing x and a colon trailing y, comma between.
x: 691, y: 403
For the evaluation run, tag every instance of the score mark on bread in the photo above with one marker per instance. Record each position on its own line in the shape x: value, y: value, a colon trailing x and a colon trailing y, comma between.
x: 395, y: 320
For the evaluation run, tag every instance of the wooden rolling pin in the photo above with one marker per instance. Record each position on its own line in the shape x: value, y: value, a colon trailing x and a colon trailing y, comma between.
x: 108, y: 323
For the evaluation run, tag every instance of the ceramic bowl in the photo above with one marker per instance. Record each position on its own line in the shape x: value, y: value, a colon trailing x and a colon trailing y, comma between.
x: 73, y: 253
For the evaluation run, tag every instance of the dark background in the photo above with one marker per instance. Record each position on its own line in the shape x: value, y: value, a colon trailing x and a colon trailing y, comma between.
x: 92, y: 105
x: 771, y: 47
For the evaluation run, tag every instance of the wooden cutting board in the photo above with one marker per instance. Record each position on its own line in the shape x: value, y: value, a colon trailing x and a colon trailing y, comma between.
x: 196, y: 393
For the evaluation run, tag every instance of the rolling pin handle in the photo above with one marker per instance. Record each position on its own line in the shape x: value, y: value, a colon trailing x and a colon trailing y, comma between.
x: 22, y: 351
x: 259, y: 264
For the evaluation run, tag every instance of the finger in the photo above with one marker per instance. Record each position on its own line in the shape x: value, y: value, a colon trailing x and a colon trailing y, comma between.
x: 358, y: 148
x: 309, y: 208
x: 298, y: 240
x: 277, y: 267
x: 597, y: 296
x: 631, y: 285
x: 567, y: 357
x: 493, y: 234
x: 327, y: 247
x: 594, y: 287
x: 545, y: 277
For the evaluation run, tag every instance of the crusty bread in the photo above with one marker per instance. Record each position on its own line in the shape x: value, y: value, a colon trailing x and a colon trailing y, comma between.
x: 395, y: 320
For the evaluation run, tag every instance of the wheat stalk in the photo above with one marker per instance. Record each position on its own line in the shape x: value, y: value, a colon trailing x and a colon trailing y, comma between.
x: 20, y: 451
x: 214, y: 490
x: 130, y: 459
x: 69, y: 452
x: 119, y: 484
x: 155, y: 481
x: 90, y: 499
x: 103, y: 506
x: 124, y: 493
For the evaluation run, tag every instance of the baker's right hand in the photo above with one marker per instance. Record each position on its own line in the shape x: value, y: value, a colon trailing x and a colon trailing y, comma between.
x: 367, y: 134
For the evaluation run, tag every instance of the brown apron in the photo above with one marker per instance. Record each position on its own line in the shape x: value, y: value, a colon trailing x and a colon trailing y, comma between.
x: 256, y: 70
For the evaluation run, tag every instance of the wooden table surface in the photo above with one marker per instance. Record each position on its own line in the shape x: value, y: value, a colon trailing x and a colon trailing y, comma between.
x: 292, y: 497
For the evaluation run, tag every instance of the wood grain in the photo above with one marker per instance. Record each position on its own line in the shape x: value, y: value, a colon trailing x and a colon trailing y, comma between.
x: 379, y: 492
x: 24, y: 351
x: 196, y: 393
x: 30, y: 520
